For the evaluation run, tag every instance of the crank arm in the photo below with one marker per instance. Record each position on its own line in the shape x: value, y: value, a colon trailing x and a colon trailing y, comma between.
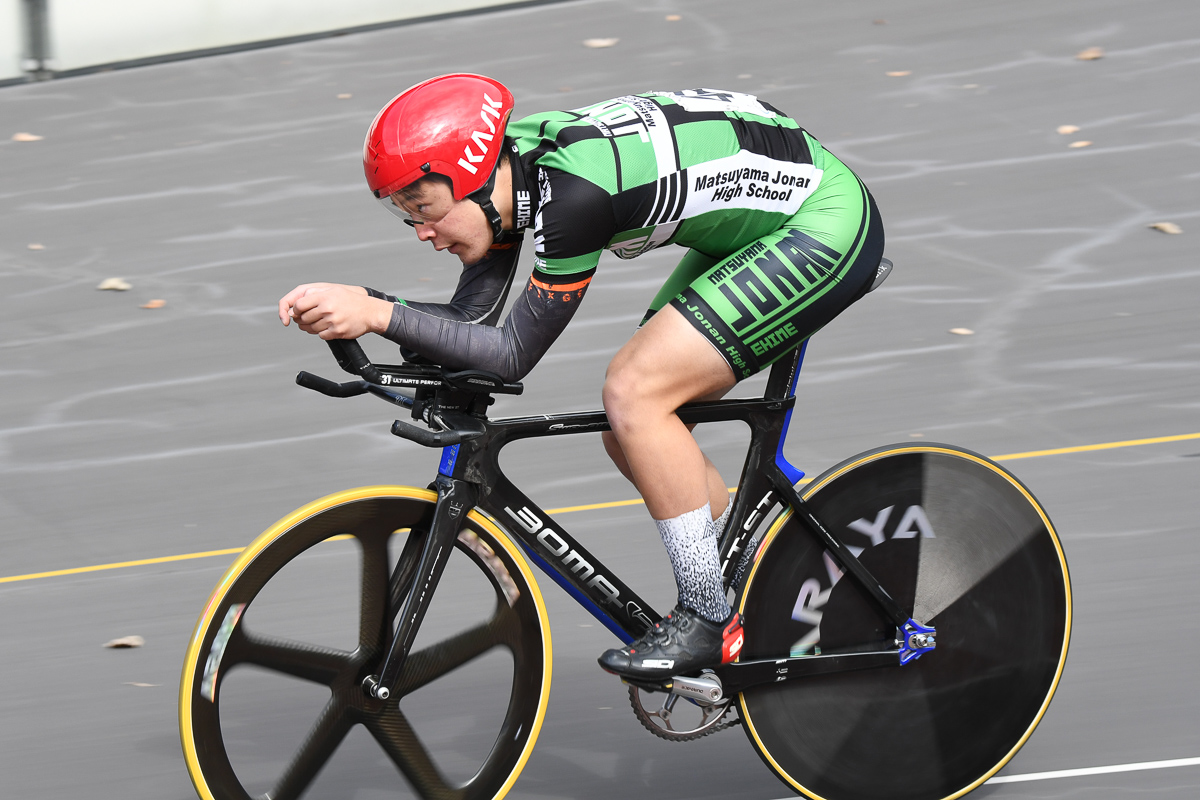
x: 455, y: 499
x: 730, y: 679
x: 706, y: 689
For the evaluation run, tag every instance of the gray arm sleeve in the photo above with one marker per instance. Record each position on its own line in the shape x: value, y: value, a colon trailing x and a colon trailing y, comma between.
x: 577, y: 222
x: 481, y: 291
x: 538, y: 317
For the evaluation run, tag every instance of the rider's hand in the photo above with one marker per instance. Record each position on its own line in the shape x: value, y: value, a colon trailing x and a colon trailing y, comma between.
x: 334, y: 310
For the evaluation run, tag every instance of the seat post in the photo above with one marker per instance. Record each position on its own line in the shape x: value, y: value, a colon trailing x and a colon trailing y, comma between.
x: 781, y: 383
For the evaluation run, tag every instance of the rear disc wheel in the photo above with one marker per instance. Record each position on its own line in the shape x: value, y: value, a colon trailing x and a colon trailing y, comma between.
x: 962, y: 546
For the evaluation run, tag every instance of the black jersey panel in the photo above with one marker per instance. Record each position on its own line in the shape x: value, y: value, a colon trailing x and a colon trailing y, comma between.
x: 678, y: 115
x: 578, y: 218
x: 632, y: 207
x: 771, y: 108
x: 577, y: 133
x: 772, y: 141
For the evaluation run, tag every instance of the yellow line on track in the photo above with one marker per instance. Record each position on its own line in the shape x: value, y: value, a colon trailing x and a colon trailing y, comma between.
x: 120, y: 565
x: 1087, y: 448
x: 593, y: 506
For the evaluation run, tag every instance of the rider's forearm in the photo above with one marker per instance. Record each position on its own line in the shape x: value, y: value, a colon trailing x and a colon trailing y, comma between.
x: 482, y: 286
x: 536, y: 320
x: 378, y: 295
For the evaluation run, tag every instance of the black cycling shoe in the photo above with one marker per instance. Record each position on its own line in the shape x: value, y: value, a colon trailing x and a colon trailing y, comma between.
x: 683, y: 642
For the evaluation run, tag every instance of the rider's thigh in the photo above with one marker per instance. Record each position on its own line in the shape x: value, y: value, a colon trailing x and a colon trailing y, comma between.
x: 665, y: 364
x: 760, y: 303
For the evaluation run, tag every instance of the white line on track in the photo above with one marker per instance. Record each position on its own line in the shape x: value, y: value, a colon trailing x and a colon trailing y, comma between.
x: 1075, y: 773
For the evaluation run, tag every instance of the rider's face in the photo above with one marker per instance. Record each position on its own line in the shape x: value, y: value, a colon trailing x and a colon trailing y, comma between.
x: 458, y: 226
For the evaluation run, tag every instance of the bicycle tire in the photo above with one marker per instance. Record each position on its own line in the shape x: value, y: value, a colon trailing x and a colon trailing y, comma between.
x: 226, y: 638
x: 976, y: 557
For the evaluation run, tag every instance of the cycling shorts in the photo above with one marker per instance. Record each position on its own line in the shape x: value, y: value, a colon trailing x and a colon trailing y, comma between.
x: 762, y: 302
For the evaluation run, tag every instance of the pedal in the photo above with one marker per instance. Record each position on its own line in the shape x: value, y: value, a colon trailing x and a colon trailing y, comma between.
x: 649, y: 686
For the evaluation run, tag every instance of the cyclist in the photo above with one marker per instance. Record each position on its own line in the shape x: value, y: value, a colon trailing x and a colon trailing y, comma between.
x: 781, y: 237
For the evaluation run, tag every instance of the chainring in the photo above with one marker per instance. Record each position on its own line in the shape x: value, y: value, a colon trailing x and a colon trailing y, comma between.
x: 659, y: 723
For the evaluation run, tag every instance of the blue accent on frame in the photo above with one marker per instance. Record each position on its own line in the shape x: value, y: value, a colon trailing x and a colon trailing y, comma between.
x: 910, y: 654
x: 579, y: 596
x: 794, y: 475
x: 449, y: 456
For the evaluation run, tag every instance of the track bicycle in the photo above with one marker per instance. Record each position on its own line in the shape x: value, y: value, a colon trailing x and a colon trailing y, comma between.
x: 907, y: 616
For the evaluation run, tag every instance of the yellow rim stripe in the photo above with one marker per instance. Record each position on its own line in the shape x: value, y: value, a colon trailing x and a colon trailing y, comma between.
x: 1062, y: 560
x: 590, y: 507
x: 286, y: 524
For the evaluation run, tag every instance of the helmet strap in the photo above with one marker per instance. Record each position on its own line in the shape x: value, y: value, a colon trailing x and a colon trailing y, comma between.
x: 483, y: 196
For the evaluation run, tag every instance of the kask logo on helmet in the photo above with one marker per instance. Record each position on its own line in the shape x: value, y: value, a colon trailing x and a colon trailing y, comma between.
x: 488, y: 111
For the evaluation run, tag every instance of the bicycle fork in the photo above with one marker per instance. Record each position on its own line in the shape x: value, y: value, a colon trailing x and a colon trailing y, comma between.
x: 455, y: 499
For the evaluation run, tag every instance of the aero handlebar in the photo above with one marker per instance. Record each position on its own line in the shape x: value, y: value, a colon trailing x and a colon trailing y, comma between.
x: 383, y: 381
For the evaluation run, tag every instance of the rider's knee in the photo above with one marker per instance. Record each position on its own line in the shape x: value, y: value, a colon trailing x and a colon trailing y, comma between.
x: 621, y: 395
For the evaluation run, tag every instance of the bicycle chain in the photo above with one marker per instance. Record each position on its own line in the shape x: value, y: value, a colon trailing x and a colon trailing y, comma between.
x: 677, y: 736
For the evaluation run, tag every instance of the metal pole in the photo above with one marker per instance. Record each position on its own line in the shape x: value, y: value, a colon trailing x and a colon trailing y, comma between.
x: 37, y: 40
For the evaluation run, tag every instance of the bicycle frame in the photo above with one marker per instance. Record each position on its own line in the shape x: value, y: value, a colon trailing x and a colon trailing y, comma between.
x: 469, y: 476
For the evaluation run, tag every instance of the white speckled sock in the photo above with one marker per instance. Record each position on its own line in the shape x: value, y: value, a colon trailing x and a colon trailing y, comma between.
x: 720, y: 522
x: 692, y: 548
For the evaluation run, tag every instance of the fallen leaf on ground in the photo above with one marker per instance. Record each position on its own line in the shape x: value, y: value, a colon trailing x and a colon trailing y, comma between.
x: 345, y: 96
x: 155, y: 304
x: 126, y: 642
x: 900, y: 73
x: 917, y: 435
x: 962, y: 331
x: 36, y: 246
x: 879, y: 22
x: 1081, y: 143
x: 141, y: 685
x: 673, y: 18
x: 1065, y: 129
x: 1167, y: 227
x: 115, y: 285
x: 594, y: 43
x: 1090, y: 54
x: 26, y: 137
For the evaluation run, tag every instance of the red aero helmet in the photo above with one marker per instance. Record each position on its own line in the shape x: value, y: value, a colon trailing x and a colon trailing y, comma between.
x: 452, y: 125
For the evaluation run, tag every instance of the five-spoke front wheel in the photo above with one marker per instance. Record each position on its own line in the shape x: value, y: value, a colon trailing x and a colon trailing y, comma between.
x: 271, y: 702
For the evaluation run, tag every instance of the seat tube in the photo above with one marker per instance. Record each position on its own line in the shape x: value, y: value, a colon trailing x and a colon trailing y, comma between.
x: 793, y: 375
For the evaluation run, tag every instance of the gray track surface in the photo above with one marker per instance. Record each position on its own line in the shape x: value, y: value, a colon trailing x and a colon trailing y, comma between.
x: 218, y: 184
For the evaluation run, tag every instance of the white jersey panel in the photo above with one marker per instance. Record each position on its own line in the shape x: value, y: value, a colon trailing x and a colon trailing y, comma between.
x: 751, y: 181
x: 631, y: 115
x: 697, y: 100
